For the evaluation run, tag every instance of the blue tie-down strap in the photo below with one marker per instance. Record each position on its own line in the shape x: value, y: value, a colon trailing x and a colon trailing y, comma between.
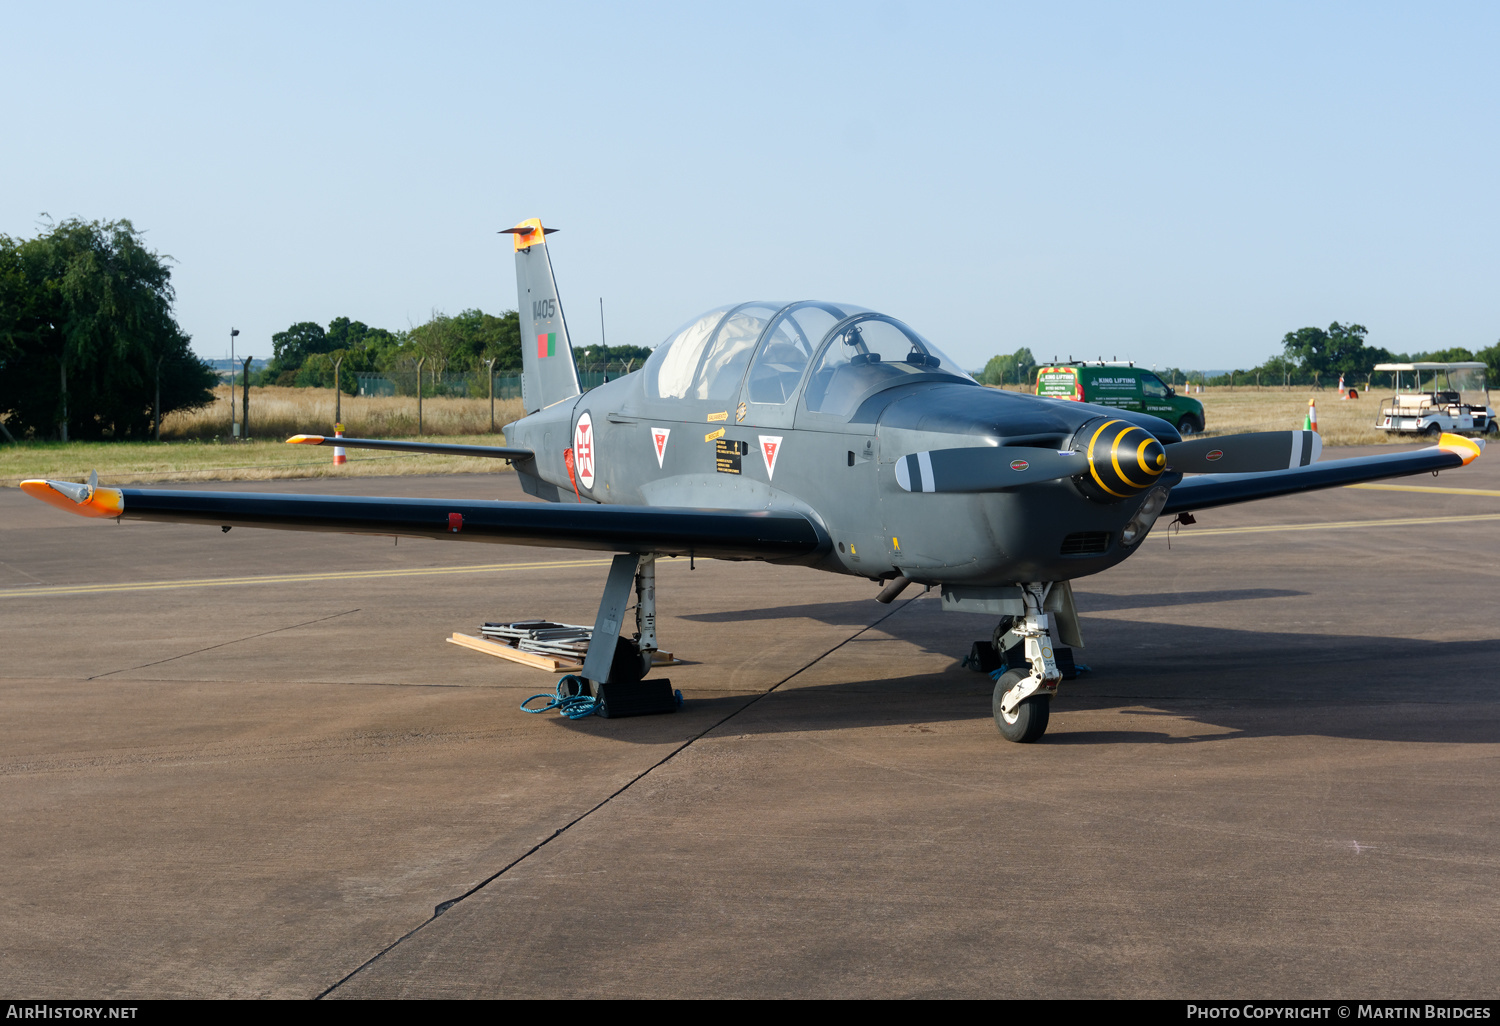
x: 572, y: 699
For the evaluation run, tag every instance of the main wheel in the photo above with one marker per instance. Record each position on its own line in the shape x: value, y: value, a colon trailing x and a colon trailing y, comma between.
x: 630, y: 664
x: 1029, y: 721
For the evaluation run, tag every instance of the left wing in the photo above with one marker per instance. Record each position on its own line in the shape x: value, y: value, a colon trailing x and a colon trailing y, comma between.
x: 774, y: 535
x: 1208, y: 491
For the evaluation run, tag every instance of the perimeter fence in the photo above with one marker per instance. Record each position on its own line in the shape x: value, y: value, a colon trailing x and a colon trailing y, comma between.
x: 403, y: 382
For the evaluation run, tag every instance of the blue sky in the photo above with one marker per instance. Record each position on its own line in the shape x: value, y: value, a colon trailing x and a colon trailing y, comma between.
x: 1174, y: 183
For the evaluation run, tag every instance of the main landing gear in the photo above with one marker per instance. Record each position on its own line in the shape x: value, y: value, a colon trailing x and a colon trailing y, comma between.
x: 1022, y: 700
x: 615, y: 665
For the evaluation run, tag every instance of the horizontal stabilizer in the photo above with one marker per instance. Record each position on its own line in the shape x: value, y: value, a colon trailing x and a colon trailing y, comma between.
x: 1253, y: 453
x: 985, y: 468
x: 1209, y: 491
x: 498, y: 452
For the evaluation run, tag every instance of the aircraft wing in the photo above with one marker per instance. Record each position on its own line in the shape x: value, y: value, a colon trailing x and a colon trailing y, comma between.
x: 499, y: 452
x: 775, y: 535
x: 1210, y: 490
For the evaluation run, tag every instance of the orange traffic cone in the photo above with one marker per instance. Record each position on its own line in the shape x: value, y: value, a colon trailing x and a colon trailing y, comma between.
x: 1310, y: 422
x: 338, y: 450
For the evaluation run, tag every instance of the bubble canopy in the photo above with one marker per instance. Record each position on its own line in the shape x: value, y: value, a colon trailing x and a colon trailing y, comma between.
x: 767, y: 348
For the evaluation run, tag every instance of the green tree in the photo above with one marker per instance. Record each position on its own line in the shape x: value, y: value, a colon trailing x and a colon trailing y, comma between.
x: 291, y: 348
x: 487, y: 336
x: 1455, y: 354
x: 87, y: 332
x: 1491, y: 358
x: 612, y: 360
x: 304, y: 354
x: 1322, y: 355
x: 1309, y: 347
x: 1010, y: 369
x: 1278, y: 370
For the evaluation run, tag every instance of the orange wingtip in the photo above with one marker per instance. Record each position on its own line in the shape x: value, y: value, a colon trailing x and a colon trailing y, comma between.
x: 1466, y: 448
x: 104, y: 502
x: 305, y: 440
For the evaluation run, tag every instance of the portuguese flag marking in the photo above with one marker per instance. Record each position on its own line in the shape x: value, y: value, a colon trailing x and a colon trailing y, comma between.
x: 546, y: 343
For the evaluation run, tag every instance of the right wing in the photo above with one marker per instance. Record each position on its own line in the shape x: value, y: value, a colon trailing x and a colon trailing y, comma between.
x: 1212, y: 490
x: 773, y: 535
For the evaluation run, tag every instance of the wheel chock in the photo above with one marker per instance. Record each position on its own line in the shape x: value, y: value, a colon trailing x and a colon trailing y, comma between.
x: 983, y: 657
x: 1065, y: 663
x: 639, y: 698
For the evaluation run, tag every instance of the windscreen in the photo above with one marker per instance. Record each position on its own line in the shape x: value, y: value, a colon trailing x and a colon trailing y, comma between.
x: 868, y: 354
x: 788, y: 345
x: 1468, y: 382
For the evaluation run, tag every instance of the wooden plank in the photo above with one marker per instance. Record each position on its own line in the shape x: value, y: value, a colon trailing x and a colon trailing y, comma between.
x: 515, y: 655
x: 537, y: 659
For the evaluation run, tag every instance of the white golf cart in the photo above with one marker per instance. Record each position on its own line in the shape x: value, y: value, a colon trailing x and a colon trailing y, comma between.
x: 1437, y: 397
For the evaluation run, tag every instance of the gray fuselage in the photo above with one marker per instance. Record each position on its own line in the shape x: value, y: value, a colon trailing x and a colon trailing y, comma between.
x: 630, y: 446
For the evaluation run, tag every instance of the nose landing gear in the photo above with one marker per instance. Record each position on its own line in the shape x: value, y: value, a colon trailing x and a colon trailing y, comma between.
x: 1022, y: 701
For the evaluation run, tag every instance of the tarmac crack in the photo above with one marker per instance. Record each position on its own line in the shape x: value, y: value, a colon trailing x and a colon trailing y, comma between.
x: 222, y: 644
x: 12, y: 567
x: 443, y: 907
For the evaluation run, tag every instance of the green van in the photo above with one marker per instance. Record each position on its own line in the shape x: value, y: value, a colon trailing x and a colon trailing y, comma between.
x: 1124, y: 386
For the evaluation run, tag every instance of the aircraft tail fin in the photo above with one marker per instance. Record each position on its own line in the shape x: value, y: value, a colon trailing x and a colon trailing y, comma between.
x: 548, y: 373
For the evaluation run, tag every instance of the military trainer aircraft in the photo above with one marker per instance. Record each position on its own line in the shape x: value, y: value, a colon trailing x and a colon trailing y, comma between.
x: 812, y: 433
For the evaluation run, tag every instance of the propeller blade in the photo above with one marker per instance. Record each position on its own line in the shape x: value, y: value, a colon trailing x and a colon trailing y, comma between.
x: 1253, y: 453
x: 985, y: 468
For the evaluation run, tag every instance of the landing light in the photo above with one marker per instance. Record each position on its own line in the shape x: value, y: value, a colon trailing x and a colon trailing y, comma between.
x: 1145, y: 516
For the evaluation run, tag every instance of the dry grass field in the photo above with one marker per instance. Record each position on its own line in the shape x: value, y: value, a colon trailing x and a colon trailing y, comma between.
x: 256, y: 460
x: 1341, y: 422
x: 194, y: 446
x: 278, y: 413
x: 1229, y: 411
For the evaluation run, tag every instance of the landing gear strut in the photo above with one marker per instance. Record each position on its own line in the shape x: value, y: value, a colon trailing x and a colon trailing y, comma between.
x: 612, y: 657
x: 1023, y: 700
x: 615, y: 665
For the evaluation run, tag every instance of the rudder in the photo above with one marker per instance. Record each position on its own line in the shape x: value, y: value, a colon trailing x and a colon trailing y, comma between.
x: 548, y: 373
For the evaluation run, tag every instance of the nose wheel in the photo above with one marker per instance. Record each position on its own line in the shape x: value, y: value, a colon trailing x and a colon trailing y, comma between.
x: 1028, y: 720
x: 1023, y: 701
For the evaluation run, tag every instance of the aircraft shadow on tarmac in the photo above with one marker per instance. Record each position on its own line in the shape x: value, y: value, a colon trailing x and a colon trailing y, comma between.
x: 858, y: 611
x: 1089, y: 602
x: 1240, y: 683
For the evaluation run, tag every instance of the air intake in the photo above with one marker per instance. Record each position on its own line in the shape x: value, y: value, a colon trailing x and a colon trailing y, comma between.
x: 1086, y: 543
